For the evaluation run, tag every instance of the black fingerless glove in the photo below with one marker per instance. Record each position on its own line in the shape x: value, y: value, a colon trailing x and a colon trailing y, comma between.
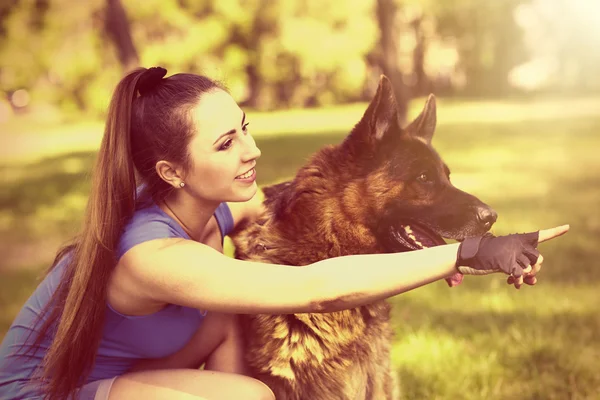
x: 487, y: 254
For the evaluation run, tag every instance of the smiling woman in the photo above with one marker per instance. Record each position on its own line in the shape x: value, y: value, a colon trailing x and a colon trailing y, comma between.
x: 223, y: 154
x: 144, y: 295
x: 152, y: 141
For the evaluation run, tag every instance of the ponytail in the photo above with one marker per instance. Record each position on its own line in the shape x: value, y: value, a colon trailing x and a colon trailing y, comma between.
x: 140, y: 131
x: 77, y: 307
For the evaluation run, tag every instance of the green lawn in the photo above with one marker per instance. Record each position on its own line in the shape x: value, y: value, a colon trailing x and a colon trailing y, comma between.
x: 481, y: 340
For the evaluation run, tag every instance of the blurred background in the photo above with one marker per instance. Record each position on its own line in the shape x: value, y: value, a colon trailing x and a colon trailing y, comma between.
x: 518, y: 118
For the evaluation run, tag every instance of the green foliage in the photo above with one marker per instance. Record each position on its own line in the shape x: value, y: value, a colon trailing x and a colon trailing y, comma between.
x: 299, y: 49
x: 292, y: 53
x: 58, y: 57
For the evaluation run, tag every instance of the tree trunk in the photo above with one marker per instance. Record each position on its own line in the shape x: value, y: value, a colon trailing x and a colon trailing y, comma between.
x: 262, y: 26
x: 422, y: 84
x: 118, y: 30
x: 387, y: 11
x: 6, y: 7
x: 255, y: 86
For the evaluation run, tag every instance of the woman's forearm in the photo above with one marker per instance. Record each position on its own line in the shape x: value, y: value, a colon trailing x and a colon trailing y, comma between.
x: 190, y: 274
x: 351, y: 281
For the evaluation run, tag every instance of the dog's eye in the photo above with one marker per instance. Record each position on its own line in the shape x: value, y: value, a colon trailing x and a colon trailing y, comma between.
x: 423, y: 178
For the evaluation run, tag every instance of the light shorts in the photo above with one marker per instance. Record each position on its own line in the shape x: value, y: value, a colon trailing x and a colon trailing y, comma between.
x: 97, y: 390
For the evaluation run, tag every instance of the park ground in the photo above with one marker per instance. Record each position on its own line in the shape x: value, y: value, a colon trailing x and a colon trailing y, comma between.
x: 534, y: 161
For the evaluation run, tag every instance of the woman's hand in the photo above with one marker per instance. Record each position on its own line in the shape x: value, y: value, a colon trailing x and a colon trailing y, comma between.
x: 515, y: 255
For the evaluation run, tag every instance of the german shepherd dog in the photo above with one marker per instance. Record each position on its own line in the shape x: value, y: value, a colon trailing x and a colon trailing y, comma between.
x: 383, y: 189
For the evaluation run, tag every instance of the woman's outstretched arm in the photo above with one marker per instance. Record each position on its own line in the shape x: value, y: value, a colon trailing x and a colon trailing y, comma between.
x: 191, y: 274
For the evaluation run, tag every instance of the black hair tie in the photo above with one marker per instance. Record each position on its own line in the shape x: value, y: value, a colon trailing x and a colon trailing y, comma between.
x: 150, y: 79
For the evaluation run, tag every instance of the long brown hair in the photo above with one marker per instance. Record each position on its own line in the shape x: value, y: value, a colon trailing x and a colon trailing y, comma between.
x: 142, y: 127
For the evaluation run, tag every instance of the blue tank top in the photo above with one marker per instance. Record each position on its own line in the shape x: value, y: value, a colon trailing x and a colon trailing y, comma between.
x: 125, y: 339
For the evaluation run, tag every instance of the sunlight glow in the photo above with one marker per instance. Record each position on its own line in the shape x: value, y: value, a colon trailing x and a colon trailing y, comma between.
x: 555, y: 32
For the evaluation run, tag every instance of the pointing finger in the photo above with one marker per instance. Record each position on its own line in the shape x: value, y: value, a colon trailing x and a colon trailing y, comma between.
x: 547, y: 234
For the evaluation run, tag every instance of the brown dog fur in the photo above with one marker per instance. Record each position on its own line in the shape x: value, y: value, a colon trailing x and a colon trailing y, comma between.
x: 328, y: 210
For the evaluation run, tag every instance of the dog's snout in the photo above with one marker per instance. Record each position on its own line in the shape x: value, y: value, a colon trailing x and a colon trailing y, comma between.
x: 486, y: 216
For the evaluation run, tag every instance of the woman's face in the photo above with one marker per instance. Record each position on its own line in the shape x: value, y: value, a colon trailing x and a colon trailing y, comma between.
x: 223, y: 152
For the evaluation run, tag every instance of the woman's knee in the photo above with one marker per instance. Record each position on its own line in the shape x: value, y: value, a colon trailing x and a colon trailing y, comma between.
x: 188, y: 384
x: 259, y: 391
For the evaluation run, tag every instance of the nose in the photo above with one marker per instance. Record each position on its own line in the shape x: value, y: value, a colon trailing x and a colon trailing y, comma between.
x: 486, y: 216
x: 252, y: 151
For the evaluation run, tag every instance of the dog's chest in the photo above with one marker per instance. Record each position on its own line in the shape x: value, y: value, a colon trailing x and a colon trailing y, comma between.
x: 342, y: 355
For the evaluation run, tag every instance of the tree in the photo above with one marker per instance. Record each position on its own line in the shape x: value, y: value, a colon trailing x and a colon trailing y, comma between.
x: 388, y: 54
x: 117, y: 29
x: 6, y: 7
x: 288, y: 53
x: 422, y: 85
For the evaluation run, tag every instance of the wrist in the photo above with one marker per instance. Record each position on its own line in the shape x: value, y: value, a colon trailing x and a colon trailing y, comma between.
x: 467, y: 251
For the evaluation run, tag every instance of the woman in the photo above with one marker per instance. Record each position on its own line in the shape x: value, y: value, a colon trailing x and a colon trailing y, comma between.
x: 145, y: 296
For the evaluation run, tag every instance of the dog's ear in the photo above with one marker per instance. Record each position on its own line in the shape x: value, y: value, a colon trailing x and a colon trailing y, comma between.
x: 381, y: 115
x: 424, y: 125
x: 273, y: 192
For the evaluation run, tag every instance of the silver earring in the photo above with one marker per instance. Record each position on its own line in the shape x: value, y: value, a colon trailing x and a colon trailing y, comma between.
x: 181, y: 184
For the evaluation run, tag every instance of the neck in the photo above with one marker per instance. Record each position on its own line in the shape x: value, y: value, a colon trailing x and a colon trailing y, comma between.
x: 191, y: 214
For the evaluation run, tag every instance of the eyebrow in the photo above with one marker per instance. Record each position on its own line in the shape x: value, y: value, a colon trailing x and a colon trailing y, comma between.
x: 231, y: 131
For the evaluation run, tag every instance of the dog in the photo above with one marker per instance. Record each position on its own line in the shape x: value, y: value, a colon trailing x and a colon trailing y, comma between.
x: 382, y: 189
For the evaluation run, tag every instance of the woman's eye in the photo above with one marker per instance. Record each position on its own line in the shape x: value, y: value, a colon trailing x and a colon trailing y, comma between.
x: 245, y: 127
x: 226, y: 145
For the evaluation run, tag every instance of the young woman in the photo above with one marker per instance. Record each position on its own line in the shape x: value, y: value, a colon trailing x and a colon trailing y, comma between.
x: 145, y: 296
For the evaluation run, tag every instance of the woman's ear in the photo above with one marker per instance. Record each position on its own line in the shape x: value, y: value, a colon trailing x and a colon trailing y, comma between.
x: 169, y: 173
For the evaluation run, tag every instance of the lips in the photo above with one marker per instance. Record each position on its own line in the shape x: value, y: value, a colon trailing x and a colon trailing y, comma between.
x: 246, y: 175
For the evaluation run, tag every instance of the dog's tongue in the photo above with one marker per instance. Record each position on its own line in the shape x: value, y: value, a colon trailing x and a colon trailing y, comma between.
x: 455, y: 279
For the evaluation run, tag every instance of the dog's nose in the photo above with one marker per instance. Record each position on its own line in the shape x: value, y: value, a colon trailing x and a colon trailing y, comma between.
x: 486, y: 216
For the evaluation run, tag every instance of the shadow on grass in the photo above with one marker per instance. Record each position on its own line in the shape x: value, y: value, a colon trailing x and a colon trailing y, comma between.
x: 46, y: 182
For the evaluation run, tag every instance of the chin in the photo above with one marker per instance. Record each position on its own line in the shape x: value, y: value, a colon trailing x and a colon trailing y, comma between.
x: 244, y: 195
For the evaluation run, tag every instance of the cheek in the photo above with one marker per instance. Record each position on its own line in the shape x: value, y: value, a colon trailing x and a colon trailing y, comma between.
x: 216, y: 169
x: 211, y: 174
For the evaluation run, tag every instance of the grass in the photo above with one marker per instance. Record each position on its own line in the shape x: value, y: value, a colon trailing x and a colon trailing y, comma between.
x: 536, y: 165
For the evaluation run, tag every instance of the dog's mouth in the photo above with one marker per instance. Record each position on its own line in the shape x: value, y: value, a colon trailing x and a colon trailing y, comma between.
x: 413, y: 236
